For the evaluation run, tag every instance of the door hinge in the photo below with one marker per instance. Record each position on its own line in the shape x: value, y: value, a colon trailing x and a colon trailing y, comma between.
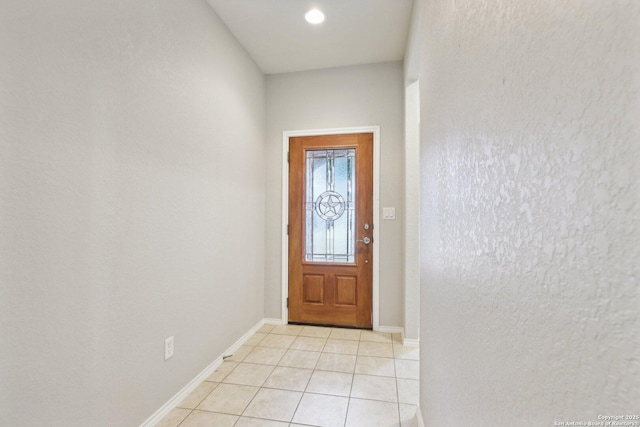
x: 287, y: 229
x: 287, y: 302
x: 288, y: 156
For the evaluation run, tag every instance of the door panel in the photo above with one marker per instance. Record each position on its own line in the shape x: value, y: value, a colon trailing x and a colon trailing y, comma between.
x: 346, y: 290
x: 313, y: 289
x: 330, y: 248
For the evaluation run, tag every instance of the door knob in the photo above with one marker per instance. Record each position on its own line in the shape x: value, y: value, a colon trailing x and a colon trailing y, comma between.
x: 366, y: 240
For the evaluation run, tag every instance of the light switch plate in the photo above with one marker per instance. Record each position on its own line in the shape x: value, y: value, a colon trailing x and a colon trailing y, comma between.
x: 168, y: 348
x: 388, y: 213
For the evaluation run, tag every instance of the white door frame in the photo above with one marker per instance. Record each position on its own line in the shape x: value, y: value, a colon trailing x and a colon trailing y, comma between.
x: 375, y: 130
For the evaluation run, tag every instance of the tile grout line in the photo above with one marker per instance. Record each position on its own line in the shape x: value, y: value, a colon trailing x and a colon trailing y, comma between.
x: 261, y: 386
x: 307, y: 385
x: 185, y: 418
x: 191, y: 410
x: 314, y: 370
x: 353, y: 377
x: 303, y: 392
x: 395, y: 371
x: 397, y: 392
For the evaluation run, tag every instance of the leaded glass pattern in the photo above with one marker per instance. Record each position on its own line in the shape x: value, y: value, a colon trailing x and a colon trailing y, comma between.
x: 330, y: 205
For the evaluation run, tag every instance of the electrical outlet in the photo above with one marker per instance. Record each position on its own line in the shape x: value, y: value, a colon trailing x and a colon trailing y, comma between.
x: 168, y: 348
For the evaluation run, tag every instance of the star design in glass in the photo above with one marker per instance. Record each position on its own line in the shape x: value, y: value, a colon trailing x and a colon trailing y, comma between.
x: 330, y: 205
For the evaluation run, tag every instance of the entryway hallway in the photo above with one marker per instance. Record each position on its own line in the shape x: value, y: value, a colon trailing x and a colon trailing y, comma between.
x: 295, y: 375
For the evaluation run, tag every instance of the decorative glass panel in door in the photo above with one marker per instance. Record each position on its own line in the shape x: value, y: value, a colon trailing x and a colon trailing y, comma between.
x: 330, y: 206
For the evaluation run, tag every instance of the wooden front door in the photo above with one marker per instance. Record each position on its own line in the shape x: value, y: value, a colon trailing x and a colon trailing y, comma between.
x: 331, y: 229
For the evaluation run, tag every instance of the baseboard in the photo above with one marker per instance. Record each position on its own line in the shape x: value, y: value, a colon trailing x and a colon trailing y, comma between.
x: 272, y: 321
x: 243, y: 339
x: 419, y: 417
x: 390, y: 329
x: 399, y: 330
x: 410, y: 342
x: 167, y: 407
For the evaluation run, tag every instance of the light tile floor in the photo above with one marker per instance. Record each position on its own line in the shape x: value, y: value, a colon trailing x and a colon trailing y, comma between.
x: 308, y: 376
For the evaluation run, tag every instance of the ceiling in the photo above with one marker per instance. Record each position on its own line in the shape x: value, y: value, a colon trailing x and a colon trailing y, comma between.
x: 279, y: 40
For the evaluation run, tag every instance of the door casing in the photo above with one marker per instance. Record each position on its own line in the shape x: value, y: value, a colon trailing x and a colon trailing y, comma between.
x: 375, y: 130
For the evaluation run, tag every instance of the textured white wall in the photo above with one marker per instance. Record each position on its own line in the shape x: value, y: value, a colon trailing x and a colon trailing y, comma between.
x: 531, y: 154
x: 367, y: 95
x: 131, y: 198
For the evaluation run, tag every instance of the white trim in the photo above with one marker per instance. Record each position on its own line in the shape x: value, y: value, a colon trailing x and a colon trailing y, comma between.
x: 419, y: 417
x: 410, y: 342
x: 399, y: 330
x: 268, y: 321
x: 390, y: 329
x: 376, y: 211
x: 412, y: 211
x: 178, y: 397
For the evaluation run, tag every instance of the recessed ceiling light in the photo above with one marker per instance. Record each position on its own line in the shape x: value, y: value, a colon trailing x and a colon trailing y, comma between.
x: 315, y: 16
